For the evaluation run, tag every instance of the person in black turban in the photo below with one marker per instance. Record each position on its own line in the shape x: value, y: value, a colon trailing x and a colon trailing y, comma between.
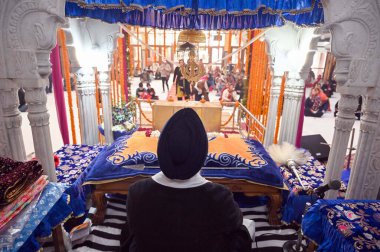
x: 183, y: 145
x: 177, y: 209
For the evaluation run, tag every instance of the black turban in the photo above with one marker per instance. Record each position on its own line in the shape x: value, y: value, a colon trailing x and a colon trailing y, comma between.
x: 183, y: 145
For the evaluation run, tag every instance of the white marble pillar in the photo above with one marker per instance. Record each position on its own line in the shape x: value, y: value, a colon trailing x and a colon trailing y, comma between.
x: 4, y: 141
x: 35, y: 96
x: 104, y: 84
x: 87, y: 106
x: 344, y: 122
x: 29, y: 32
x: 355, y: 44
x: 12, y: 119
x: 362, y: 184
x: 292, y: 106
x: 273, y: 108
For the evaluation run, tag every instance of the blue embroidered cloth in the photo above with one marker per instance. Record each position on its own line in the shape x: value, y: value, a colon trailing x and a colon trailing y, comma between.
x: 312, y: 174
x: 51, y: 208
x: 121, y: 160
x: 73, y: 160
x: 197, y: 14
x: 344, y: 225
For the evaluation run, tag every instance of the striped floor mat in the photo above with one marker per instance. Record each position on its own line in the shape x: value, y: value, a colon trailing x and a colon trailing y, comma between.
x: 106, y: 237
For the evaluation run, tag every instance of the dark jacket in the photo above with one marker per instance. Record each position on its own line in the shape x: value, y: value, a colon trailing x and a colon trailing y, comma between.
x: 164, y: 219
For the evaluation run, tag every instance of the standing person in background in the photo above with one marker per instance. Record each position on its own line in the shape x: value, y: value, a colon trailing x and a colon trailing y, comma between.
x: 49, y: 88
x: 239, y: 88
x: 165, y: 69
x: 23, y: 107
x: 219, y: 85
x: 210, y: 80
x: 310, y: 78
x: 182, y: 85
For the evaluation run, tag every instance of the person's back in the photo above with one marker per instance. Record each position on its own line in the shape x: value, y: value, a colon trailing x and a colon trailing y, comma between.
x: 177, y: 210
x: 203, y: 218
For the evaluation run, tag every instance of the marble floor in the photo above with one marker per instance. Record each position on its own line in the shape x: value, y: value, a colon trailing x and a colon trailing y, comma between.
x: 323, y: 126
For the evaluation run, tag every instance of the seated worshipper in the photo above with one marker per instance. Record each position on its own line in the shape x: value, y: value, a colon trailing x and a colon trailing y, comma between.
x: 219, y: 86
x: 231, y: 79
x: 316, y: 105
x: 151, y: 92
x: 201, y: 89
x: 140, y: 91
x: 326, y: 88
x: 178, y: 210
x: 229, y: 94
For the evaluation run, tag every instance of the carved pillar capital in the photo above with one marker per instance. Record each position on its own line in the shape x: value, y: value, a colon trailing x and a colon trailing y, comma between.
x: 86, y: 82
x: 354, y: 25
x: 28, y: 35
x: 104, y: 82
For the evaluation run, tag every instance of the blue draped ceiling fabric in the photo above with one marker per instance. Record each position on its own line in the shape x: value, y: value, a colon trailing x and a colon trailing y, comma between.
x: 200, y: 14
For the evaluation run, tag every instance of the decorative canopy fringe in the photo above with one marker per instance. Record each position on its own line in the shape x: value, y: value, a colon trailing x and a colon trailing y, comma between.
x: 200, y: 15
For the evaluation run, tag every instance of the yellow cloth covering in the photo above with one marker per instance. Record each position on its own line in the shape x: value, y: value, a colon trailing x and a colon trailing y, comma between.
x: 233, y: 146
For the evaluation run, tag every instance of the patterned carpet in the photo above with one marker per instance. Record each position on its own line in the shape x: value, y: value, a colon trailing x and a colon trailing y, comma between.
x: 106, y: 237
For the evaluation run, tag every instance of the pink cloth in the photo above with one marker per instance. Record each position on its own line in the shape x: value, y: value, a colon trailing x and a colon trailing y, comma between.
x: 300, y: 122
x: 125, y: 66
x: 59, y: 94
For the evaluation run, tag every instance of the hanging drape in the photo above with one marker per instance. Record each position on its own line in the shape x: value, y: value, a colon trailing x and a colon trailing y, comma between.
x: 196, y: 14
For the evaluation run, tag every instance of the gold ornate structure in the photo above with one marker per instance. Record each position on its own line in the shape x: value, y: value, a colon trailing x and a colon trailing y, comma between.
x: 192, y: 71
x: 192, y: 36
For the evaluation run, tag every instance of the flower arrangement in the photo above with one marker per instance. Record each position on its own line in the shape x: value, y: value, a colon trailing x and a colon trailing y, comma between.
x: 122, y: 121
x: 122, y: 114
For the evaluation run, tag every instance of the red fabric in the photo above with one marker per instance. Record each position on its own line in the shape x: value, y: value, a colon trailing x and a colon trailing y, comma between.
x: 15, y: 177
x: 56, y: 161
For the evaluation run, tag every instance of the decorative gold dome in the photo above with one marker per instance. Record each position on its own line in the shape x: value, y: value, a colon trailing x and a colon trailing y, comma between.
x: 192, y: 36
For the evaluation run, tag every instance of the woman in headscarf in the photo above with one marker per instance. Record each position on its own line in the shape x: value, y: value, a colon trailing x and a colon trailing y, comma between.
x: 182, y: 85
x: 317, y: 104
x: 178, y: 209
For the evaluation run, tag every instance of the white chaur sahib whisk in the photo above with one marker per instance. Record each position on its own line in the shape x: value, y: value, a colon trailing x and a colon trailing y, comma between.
x: 287, y: 154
